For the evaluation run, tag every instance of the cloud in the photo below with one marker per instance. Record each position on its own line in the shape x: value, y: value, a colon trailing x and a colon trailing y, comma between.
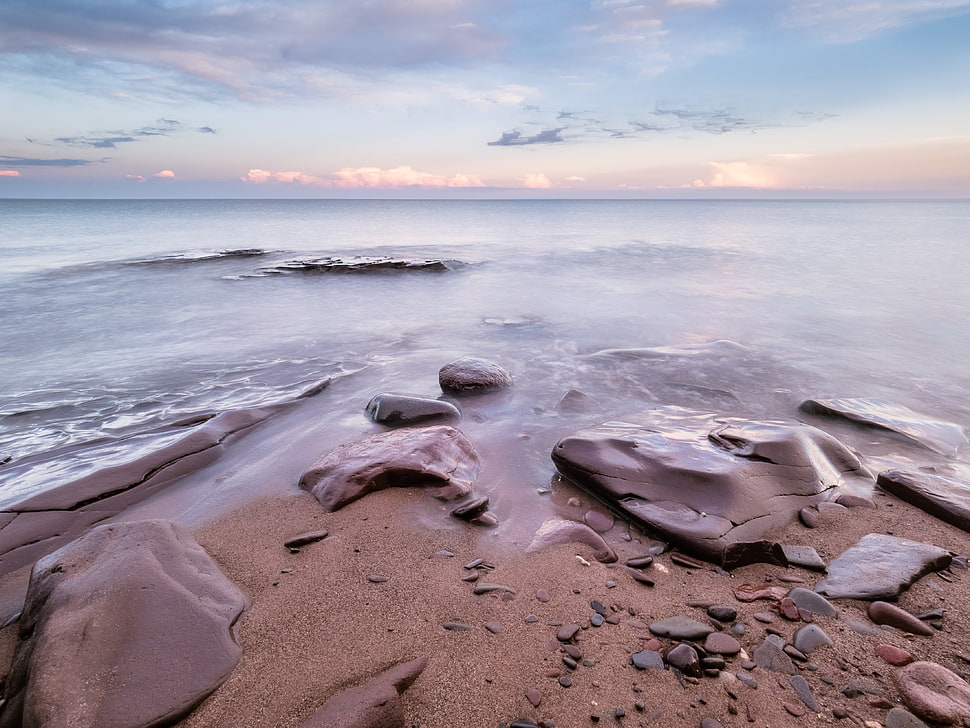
x: 206, y: 130
x: 536, y: 181
x: 165, y: 174
x: 516, y: 139
x: 846, y: 22
x: 366, y: 177
x: 33, y: 162
x: 9, y: 173
x: 110, y: 139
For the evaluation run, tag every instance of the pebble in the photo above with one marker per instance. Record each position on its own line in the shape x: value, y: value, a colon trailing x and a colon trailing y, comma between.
x: 542, y: 595
x: 808, y: 516
x: 306, y: 538
x: 531, y: 619
x: 471, y: 576
x: 795, y: 710
x: 565, y: 681
x: 748, y: 680
x: 811, y: 602
x: 686, y: 561
x: 788, y: 609
x: 533, y: 696
x: 902, y: 718
x: 684, y: 658
x: 804, y: 692
x: 933, y: 693
x: 722, y: 613
x: 681, y: 628
x: 639, y: 562
x: 647, y: 658
x: 810, y: 637
x: 377, y: 578
x: 567, y: 632
x: 597, y: 620
x: 484, y: 587
x: 574, y: 651
x: 886, y: 613
x: 895, y: 656
x: 474, y: 564
x: 771, y: 655
x: 494, y: 627
x: 598, y: 521
x: 721, y: 644
x: 457, y: 627
x: 764, y: 617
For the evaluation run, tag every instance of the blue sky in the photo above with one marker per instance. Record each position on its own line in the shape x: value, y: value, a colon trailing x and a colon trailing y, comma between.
x: 306, y: 98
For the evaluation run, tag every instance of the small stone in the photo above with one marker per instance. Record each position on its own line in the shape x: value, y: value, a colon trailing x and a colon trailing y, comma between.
x: 565, y: 681
x: 808, y: 516
x: 902, y: 718
x: 639, y: 562
x: 484, y: 587
x: 895, y: 656
x: 597, y: 620
x: 721, y: 644
x: 494, y: 627
x: 771, y: 655
x: 533, y: 696
x: 306, y: 538
x: 474, y: 564
x: 377, y: 578
x: 574, y: 651
x: 795, y: 710
x: 810, y: 601
x: 470, y: 375
x: 542, y: 595
x: 788, y: 609
x: 686, y: 561
x: 886, y: 613
x: 722, y: 613
x: 684, y: 658
x: 611, y: 585
x: 764, y: 617
x: 619, y: 713
x: 647, y: 658
x: 598, y: 521
x: 531, y: 619
x: 567, y: 632
x: 457, y: 627
x: 810, y: 637
x: 804, y: 692
x: 471, y: 576
x: 681, y: 628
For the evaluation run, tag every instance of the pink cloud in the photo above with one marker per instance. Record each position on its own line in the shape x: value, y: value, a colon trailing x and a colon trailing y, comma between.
x: 366, y: 177
x: 165, y: 174
x: 9, y: 173
x: 536, y: 182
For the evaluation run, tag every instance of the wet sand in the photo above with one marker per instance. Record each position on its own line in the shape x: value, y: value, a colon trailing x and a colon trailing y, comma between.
x: 318, y: 625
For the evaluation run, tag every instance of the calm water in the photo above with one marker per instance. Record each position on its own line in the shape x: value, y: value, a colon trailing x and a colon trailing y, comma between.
x: 118, y: 316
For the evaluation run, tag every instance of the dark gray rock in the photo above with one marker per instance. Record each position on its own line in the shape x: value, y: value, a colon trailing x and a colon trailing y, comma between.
x: 945, y: 498
x: 810, y: 638
x: 684, y: 658
x: 771, y: 655
x: 880, y: 567
x: 439, y: 459
x: 681, y: 628
x: 131, y: 625
x: 360, y: 264
x: 556, y: 531
x: 933, y: 693
x: 375, y: 704
x: 469, y: 375
x: 706, y: 482
x: 804, y: 692
x: 722, y: 612
x: 305, y: 539
x: 405, y: 409
x: 938, y: 435
x: 647, y: 659
x: 902, y: 718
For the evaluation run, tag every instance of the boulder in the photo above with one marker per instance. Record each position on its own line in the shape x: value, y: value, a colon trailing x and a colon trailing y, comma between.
x: 934, y: 693
x: 945, y: 498
x: 375, y: 704
x: 405, y: 409
x: 439, y: 459
x: 880, y: 567
x: 937, y: 435
x: 469, y: 375
x: 705, y: 482
x: 131, y: 625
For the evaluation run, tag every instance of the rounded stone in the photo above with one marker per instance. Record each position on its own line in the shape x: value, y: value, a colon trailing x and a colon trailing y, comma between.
x: 812, y: 602
x: 469, y: 375
x: 719, y: 643
x: 684, y: 658
x: 895, y: 656
x: 890, y: 614
x: 933, y: 693
x: 598, y: 520
x: 647, y: 658
x: 681, y: 628
x: 722, y: 613
x: 810, y: 637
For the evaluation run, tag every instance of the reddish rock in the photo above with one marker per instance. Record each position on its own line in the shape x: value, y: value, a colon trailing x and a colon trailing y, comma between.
x: 890, y: 614
x: 719, y: 643
x: 934, y: 693
x: 788, y: 609
x: 895, y: 656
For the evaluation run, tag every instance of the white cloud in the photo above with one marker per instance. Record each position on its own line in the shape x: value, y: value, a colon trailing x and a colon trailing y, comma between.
x: 536, y: 181
x: 366, y: 177
x: 165, y: 174
x: 847, y: 21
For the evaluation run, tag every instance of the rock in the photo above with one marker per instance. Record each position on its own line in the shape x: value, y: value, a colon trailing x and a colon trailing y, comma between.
x: 375, y: 704
x: 574, y: 401
x: 754, y: 592
x: 533, y: 696
x: 933, y: 693
x: 557, y: 531
x: 681, y: 628
x: 599, y: 521
x: 805, y: 556
x: 472, y: 509
x: 808, y: 516
x: 809, y: 638
x: 804, y: 692
x: 108, y: 477
x: 901, y: 718
x: 788, y: 609
x: 813, y: 602
x: 305, y: 539
x: 718, y: 348
x: 405, y: 409
x: 945, y: 498
x: 684, y: 658
x: 439, y: 459
x: 457, y: 627
x: 722, y: 613
x: 131, y: 625
x: 895, y: 656
x: 359, y: 264
x: 647, y: 659
x: 494, y: 627
x: 743, y: 553
x: 484, y: 587
x: 567, y: 632
x: 469, y: 375
x: 885, y: 613
x: 880, y: 567
x: 770, y: 655
x: 706, y: 482
x: 639, y: 562
x: 937, y: 435
x: 719, y: 643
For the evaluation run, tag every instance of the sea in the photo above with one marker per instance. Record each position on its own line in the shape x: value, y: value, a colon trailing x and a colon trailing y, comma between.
x: 119, y: 318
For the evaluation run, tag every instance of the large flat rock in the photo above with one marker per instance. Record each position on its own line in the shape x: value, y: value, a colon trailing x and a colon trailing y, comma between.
x: 706, y: 482
x: 439, y: 459
x: 945, y: 498
x: 130, y: 626
x: 881, y: 567
x: 937, y: 435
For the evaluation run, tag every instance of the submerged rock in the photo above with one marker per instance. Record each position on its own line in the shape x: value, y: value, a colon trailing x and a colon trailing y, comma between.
x: 439, y: 459
x: 706, y: 482
x: 132, y: 624
x: 938, y: 435
x: 405, y: 409
x: 945, y: 498
x: 360, y: 264
x: 880, y: 567
x: 375, y: 704
x: 469, y: 375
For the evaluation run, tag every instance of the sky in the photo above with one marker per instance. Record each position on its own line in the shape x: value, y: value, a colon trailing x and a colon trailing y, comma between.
x: 485, y: 98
